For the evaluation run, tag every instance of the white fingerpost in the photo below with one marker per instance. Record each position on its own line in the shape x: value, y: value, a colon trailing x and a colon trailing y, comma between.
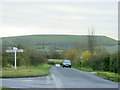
x: 15, y: 59
x: 15, y: 49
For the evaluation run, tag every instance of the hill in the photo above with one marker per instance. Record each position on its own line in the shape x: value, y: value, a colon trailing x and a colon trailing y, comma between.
x: 59, y: 41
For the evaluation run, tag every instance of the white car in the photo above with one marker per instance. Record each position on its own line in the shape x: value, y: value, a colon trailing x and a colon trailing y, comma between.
x: 57, y: 65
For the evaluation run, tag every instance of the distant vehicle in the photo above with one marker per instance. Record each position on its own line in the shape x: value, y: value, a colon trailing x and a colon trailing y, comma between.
x: 57, y: 65
x: 67, y: 63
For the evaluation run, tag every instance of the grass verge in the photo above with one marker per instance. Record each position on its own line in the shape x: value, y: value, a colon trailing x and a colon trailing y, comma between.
x: 84, y: 69
x: 2, y: 87
x: 106, y: 75
x: 109, y: 76
x: 6, y: 88
x: 26, y: 71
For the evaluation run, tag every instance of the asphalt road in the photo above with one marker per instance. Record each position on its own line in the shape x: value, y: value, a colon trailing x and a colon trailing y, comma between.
x: 61, y: 78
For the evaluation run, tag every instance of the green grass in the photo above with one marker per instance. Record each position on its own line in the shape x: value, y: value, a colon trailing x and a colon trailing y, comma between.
x: 48, y: 50
x: 106, y: 75
x: 112, y: 49
x: 56, y: 61
x: 84, y: 69
x: 109, y: 76
x: 59, y: 50
x: 6, y: 88
x: 60, y: 41
x: 2, y: 87
x: 26, y: 71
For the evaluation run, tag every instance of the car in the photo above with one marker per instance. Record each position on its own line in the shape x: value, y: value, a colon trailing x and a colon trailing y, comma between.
x: 67, y: 63
x: 57, y: 65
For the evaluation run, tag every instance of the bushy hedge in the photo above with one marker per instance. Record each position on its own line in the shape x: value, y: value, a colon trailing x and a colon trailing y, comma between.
x: 104, y: 62
x: 97, y: 61
x: 28, y: 57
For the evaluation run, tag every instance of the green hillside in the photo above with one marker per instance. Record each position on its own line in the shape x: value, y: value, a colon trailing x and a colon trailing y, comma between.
x: 59, y: 41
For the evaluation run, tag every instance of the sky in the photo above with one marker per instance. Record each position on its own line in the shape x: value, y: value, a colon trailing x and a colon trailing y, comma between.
x: 28, y: 17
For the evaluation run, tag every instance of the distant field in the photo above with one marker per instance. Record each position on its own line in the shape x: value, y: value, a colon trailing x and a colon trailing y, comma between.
x: 47, y: 50
x: 55, y: 61
x: 112, y: 49
x: 61, y: 42
x: 58, y: 38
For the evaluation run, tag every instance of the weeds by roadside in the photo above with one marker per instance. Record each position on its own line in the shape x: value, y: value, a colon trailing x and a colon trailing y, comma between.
x: 106, y: 75
x: 84, y: 69
x: 26, y: 70
x: 109, y: 76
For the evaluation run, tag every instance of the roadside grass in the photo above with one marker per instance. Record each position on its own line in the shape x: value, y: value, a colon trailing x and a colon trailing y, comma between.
x: 109, y: 76
x: 106, y: 75
x: 55, y: 61
x: 26, y: 71
x: 6, y: 88
x: 2, y: 87
x: 87, y: 69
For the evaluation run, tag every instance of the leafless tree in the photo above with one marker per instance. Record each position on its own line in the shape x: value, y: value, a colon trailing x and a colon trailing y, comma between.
x: 91, y: 39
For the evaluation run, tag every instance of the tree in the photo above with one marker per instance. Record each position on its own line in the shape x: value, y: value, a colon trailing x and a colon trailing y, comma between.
x: 53, y: 53
x: 81, y: 46
x: 70, y: 54
x: 91, y: 39
x: 114, y: 63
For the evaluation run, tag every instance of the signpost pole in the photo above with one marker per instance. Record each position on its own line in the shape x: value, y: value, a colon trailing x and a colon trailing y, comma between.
x: 15, y: 59
x: 15, y: 50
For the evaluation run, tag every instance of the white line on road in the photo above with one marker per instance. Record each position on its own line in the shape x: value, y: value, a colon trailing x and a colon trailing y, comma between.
x: 58, y: 82
x: 27, y: 80
x: 48, y: 80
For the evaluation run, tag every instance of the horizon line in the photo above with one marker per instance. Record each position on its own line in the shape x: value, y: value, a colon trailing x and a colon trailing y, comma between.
x: 58, y: 34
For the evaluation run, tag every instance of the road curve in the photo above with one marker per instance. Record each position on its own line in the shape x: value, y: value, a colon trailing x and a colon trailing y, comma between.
x: 61, y: 78
x: 73, y: 78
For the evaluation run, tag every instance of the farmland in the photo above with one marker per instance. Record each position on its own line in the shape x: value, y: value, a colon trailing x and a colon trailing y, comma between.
x: 59, y: 42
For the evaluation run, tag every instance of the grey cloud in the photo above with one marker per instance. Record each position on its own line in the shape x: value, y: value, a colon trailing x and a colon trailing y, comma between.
x: 65, y: 16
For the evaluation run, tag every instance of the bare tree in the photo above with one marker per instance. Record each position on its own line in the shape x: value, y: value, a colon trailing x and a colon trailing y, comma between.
x: 91, y: 39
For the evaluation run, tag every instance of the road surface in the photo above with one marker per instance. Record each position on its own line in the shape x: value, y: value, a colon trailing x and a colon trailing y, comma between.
x: 61, y: 78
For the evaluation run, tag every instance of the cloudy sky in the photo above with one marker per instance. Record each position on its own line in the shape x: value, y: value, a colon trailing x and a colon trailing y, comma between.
x: 71, y: 18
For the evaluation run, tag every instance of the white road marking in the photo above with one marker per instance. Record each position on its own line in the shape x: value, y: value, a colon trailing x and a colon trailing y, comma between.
x: 58, y: 82
x: 27, y: 80
x: 48, y: 80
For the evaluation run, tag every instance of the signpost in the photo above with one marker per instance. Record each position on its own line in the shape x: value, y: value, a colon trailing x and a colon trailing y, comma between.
x: 15, y: 49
